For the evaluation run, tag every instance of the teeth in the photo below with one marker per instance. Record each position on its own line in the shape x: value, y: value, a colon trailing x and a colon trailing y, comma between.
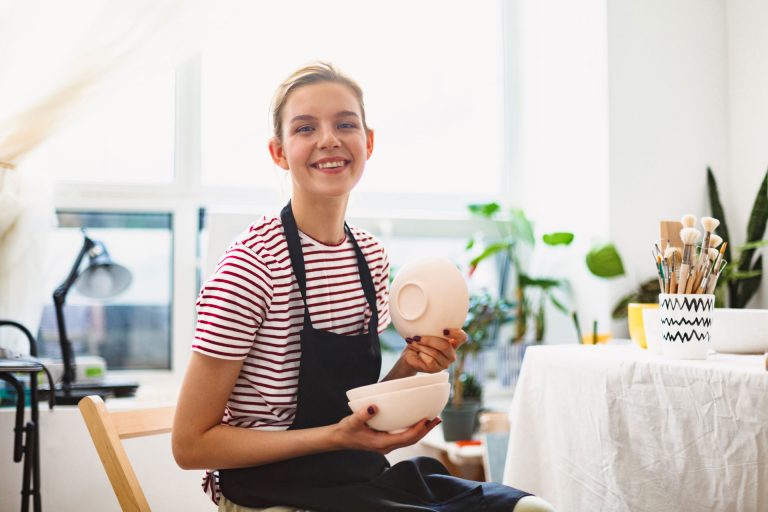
x: 328, y: 165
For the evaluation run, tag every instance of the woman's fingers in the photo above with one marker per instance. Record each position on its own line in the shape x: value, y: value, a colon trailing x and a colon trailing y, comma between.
x: 458, y: 336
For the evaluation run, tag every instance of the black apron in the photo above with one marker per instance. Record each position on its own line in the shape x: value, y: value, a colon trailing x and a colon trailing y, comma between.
x: 349, y: 480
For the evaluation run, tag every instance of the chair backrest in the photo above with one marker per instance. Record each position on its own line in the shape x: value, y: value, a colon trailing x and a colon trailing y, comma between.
x: 108, y: 429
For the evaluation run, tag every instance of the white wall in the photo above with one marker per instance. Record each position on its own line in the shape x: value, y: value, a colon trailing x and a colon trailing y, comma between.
x: 747, y: 80
x: 561, y: 168
x: 668, y: 119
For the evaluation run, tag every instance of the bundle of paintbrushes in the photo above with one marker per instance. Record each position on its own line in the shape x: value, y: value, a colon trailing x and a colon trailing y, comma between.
x: 684, y: 265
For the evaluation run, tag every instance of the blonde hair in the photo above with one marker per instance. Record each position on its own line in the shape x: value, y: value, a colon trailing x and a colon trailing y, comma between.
x: 311, y: 74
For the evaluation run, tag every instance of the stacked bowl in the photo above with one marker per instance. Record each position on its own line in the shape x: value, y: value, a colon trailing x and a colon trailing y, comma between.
x: 401, y: 403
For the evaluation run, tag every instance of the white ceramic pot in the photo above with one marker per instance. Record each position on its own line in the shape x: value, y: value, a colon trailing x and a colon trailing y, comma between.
x: 401, y: 409
x: 427, y: 296
x: 685, y: 325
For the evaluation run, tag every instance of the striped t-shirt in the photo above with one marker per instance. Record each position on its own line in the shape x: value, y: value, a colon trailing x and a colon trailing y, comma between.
x: 251, y: 309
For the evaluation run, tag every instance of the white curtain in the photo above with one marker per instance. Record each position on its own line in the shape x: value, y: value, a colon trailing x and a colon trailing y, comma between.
x: 54, y: 57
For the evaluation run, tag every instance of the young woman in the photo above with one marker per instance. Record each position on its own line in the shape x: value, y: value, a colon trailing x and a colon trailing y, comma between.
x: 289, y: 321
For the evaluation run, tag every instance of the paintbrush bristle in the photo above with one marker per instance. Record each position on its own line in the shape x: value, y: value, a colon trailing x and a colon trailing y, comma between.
x: 709, y: 223
x: 715, y: 240
x: 669, y: 252
x: 712, y: 253
x: 689, y: 236
x: 722, y: 248
x: 688, y: 221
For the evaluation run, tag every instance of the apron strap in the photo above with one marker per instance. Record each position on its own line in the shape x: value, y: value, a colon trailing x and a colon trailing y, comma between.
x: 367, y: 281
x: 297, y: 261
x: 295, y: 252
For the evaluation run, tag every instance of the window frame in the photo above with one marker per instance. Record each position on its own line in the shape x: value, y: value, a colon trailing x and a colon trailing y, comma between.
x: 184, y: 197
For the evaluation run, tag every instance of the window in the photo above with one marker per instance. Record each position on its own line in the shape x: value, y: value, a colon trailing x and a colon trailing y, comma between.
x: 434, y: 97
x: 132, y: 330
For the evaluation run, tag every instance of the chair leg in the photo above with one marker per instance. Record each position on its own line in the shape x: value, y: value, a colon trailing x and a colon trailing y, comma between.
x: 26, y: 493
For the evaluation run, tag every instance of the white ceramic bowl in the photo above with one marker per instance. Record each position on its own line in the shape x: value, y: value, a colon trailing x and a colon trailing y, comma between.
x: 423, y: 379
x: 427, y: 296
x: 740, y: 331
x: 401, y: 409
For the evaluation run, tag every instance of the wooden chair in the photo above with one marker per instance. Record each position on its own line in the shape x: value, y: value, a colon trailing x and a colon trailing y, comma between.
x: 108, y: 429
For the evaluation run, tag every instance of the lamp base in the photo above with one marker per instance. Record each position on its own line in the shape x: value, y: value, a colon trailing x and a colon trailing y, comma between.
x: 108, y: 388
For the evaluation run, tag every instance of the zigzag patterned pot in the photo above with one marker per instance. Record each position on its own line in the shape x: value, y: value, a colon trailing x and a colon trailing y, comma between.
x: 686, y: 322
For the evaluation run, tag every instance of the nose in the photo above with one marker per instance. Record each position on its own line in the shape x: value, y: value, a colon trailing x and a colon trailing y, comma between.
x: 328, y: 139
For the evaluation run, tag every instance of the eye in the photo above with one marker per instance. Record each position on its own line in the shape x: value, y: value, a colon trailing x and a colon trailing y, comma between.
x: 304, y: 128
x: 347, y: 126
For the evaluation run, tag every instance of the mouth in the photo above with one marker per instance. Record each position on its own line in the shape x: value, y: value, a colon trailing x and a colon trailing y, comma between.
x: 330, y: 165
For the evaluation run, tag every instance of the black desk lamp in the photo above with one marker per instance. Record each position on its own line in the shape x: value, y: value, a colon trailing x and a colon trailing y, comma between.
x: 101, y: 279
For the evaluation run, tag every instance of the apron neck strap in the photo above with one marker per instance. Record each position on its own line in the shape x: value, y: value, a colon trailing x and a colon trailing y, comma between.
x: 297, y: 262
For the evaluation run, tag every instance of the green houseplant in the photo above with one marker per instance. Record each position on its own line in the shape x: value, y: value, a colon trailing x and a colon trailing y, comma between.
x: 486, y: 313
x: 514, y: 238
x: 742, y: 278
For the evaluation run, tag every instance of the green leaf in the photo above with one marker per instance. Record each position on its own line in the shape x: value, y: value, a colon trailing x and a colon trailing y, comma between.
x: 750, y: 285
x: 738, y: 275
x: 539, y: 282
x: 757, y: 222
x: 559, y: 305
x: 485, y: 210
x: 522, y: 227
x: 491, y: 250
x: 470, y: 244
x: 604, y: 261
x: 620, y: 309
x: 559, y: 238
x: 717, y: 210
x: 753, y: 245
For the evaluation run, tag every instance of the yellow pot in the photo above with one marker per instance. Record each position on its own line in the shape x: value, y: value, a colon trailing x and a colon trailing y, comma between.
x: 635, y: 322
x: 589, y: 339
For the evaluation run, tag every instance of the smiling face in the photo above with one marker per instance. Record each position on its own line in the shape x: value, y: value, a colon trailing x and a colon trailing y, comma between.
x: 323, y: 141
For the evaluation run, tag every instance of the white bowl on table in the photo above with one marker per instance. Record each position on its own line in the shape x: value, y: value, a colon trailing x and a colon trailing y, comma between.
x: 427, y: 296
x: 387, y: 386
x: 398, y: 410
x: 740, y: 331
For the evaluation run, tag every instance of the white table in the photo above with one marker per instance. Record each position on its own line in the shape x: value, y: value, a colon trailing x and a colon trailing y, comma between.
x: 613, y: 428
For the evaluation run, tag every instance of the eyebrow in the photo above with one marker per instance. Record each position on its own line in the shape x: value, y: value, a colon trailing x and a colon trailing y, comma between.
x: 307, y: 117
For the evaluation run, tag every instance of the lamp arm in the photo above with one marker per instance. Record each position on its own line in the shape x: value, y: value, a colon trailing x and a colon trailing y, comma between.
x: 59, y: 297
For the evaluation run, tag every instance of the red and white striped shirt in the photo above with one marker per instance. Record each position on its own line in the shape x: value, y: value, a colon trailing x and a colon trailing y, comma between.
x: 251, y: 309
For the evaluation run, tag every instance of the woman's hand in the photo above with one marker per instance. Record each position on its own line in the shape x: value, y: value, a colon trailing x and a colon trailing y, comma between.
x: 432, y: 354
x: 352, y: 433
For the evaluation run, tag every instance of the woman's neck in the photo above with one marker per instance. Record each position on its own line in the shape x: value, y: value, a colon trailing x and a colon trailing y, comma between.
x: 322, y: 219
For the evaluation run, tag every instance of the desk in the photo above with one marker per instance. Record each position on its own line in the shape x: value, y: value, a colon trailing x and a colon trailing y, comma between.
x: 613, y: 428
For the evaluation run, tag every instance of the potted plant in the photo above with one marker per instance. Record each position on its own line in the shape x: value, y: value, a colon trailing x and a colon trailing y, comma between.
x: 486, y: 313
x: 515, y: 238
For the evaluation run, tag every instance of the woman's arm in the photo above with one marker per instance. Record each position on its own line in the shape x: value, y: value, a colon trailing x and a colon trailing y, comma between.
x: 201, y: 441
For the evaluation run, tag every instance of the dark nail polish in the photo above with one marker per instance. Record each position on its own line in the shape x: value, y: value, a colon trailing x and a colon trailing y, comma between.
x: 371, y: 410
x: 408, y: 340
x: 446, y: 331
x: 426, y: 423
x: 417, y: 338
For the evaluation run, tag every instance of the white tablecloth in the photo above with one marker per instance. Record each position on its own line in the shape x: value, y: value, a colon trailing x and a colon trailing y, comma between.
x: 613, y: 428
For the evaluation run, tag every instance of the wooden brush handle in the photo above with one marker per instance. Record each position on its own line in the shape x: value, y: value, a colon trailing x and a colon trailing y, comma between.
x: 684, y: 269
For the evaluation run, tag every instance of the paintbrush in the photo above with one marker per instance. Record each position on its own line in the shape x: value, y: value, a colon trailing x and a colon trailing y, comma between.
x: 707, y: 272
x: 718, y: 268
x: 710, y: 225
x: 689, y: 236
x: 669, y: 262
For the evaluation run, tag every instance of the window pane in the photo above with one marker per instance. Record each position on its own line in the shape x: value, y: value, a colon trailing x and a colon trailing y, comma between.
x: 125, y: 136
x: 132, y: 330
x: 431, y: 72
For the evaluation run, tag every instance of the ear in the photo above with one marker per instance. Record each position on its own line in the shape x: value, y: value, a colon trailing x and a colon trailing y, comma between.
x: 277, y: 152
x: 369, y: 144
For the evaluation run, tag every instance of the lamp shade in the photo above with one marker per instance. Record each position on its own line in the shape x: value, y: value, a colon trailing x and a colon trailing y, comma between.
x: 102, y: 278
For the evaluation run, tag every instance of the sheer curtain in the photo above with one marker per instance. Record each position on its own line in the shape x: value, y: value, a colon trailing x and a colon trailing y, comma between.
x: 54, y: 57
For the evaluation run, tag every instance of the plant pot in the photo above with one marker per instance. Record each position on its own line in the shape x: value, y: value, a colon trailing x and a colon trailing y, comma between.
x: 460, y: 423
